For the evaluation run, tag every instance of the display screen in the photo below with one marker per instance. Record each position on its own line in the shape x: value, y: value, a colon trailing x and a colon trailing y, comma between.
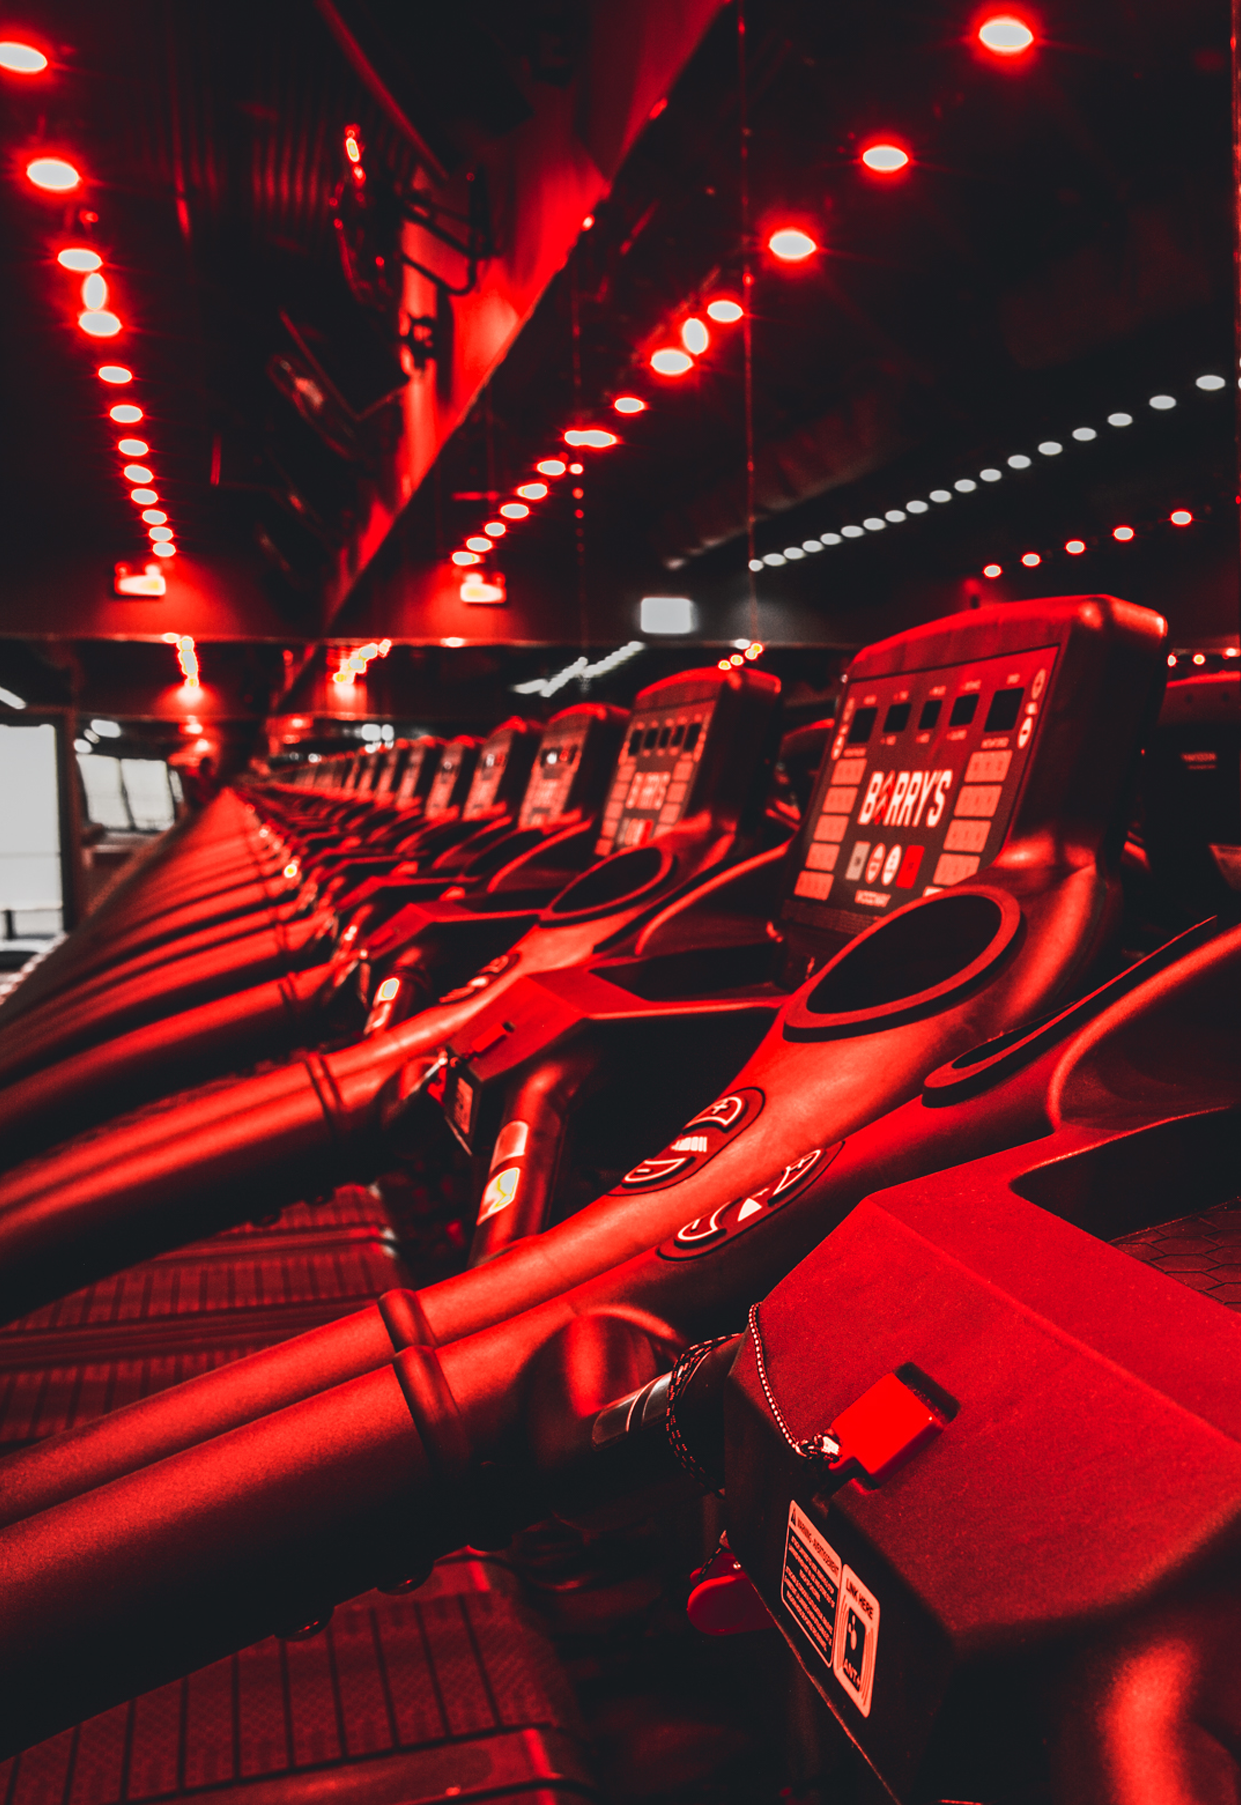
x: 487, y: 774
x: 551, y: 781
x: 654, y: 774
x: 919, y: 785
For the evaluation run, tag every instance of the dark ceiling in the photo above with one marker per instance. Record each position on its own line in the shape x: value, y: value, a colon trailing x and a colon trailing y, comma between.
x: 1059, y: 250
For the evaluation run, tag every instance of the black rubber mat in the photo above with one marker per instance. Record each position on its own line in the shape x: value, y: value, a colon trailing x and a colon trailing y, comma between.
x: 1202, y: 1251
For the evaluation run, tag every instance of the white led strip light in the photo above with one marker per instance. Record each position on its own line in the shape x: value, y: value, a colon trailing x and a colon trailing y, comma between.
x: 964, y: 485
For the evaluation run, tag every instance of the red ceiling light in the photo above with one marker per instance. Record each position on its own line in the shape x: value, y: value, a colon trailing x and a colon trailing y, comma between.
x: 551, y: 467
x: 155, y: 516
x: 533, y: 491
x: 993, y: 570
x: 21, y: 59
x: 117, y: 374
x: 725, y: 312
x: 464, y: 558
x: 495, y: 529
x: 53, y: 175
x: 164, y: 550
x: 478, y: 544
x: 144, y: 498
x: 1181, y: 517
x: 514, y: 510
x: 1075, y: 547
x: 132, y: 448
x: 157, y: 534
x: 668, y: 361
x: 791, y: 245
x: 79, y: 258
x: 629, y: 404
x: 595, y: 437
x: 885, y: 158
x: 1031, y: 560
x: 99, y: 323
x: 1004, y: 34
x: 695, y: 337
x: 124, y: 413
x: 1123, y: 533
x: 137, y: 473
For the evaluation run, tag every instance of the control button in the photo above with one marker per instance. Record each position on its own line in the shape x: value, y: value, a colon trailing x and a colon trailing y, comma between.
x: 699, y: 1141
x: 651, y: 1171
x: 735, y: 1217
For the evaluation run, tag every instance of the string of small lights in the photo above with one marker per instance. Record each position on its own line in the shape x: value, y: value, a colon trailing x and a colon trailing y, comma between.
x: 1018, y: 461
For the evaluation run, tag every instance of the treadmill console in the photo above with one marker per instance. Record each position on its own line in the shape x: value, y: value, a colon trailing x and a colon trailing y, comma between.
x: 451, y: 783
x: 690, y: 738
x: 419, y: 771
x: 572, y: 766
x: 504, y: 762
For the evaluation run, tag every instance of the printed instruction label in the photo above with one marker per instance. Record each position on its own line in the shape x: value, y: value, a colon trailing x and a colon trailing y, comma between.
x: 810, y: 1583
x: 837, y: 1612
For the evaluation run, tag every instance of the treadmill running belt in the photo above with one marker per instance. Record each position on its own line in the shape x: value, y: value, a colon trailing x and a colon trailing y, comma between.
x: 452, y: 1692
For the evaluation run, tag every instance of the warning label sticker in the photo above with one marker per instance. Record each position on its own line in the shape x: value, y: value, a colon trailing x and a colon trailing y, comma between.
x: 857, y: 1641
x: 837, y: 1612
x: 810, y: 1583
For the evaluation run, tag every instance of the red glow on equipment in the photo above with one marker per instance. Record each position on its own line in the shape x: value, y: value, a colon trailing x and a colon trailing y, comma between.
x: 124, y: 413
x: 725, y: 312
x: 791, y: 245
x: 695, y: 337
x: 1181, y: 517
x: 79, y: 258
x: 1005, y: 35
x: 993, y: 570
x: 118, y: 374
x: 99, y: 323
x: 668, y: 361
x: 595, y: 437
x: 885, y: 158
x: 551, y: 467
x: 52, y: 174
x: 627, y: 404
x: 21, y: 59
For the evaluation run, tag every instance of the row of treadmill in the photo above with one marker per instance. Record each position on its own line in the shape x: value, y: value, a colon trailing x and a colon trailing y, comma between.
x: 825, y: 1143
